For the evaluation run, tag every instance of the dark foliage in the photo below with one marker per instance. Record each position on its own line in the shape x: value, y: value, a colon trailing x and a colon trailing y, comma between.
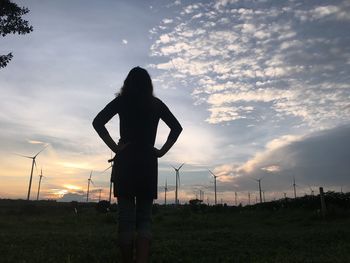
x: 11, y: 22
x: 103, y: 206
x: 5, y: 59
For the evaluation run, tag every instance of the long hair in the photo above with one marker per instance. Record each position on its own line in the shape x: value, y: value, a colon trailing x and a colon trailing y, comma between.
x: 137, y: 85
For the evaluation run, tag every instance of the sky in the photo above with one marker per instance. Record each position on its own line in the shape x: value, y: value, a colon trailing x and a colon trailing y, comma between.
x: 260, y: 87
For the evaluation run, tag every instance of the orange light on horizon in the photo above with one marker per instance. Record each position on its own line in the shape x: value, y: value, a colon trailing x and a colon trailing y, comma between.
x: 77, y: 165
x: 72, y: 187
x: 58, y: 193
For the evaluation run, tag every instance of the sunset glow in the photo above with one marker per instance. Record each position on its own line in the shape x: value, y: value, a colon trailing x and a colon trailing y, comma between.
x: 261, y: 89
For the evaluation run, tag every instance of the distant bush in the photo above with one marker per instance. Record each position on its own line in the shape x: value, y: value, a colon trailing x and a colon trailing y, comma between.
x: 103, y: 206
x: 29, y: 209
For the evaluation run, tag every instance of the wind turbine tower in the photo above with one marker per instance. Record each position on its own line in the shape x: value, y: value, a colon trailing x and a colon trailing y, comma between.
x: 40, y: 177
x: 236, y: 198
x: 177, y: 182
x: 312, y: 190
x: 31, y: 172
x: 263, y: 192
x: 215, y: 176
x: 201, y: 195
x: 259, y: 181
x: 88, y: 189
x: 99, y: 196
x: 110, y: 181
x: 295, y: 192
x: 248, y: 198
x: 165, y: 191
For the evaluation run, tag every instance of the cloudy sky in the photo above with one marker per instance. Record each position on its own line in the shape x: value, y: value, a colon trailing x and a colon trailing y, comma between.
x: 260, y: 87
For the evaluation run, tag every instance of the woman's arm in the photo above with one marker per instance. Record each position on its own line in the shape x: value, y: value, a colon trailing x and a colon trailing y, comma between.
x: 100, y: 121
x: 165, y: 148
x: 175, y: 130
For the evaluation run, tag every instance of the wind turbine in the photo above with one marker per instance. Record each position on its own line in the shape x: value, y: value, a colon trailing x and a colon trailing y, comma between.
x: 312, y: 190
x: 41, y: 176
x: 88, y: 189
x: 259, y: 181
x: 236, y: 198
x: 263, y: 192
x: 99, y: 196
x: 110, y: 181
x: 294, y: 185
x: 215, y: 176
x: 177, y: 180
x: 165, y: 191
x: 201, y: 195
x: 31, y: 172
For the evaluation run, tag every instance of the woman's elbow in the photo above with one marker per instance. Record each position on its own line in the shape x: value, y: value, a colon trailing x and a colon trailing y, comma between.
x: 96, y: 124
x: 179, y: 130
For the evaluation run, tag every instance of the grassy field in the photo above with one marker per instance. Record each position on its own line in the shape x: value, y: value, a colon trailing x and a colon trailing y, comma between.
x: 53, y: 232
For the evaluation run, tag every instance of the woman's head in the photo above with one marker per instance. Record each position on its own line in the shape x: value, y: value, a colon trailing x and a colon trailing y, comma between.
x: 138, y: 84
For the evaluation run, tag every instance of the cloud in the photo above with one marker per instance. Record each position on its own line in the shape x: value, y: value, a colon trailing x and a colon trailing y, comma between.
x: 329, y: 12
x: 318, y: 159
x: 259, y: 55
x: 167, y: 21
x: 68, y: 197
x: 35, y: 142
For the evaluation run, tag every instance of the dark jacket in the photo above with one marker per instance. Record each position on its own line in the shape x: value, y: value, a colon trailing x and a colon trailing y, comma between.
x: 136, y: 166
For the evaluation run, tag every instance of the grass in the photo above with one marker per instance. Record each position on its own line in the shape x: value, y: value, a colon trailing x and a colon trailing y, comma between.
x: 52, y: 232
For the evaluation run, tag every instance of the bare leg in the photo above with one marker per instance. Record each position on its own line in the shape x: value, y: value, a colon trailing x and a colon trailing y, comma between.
x: 126, y: 227
x: 143, y: 248
x: 127, y: 252
x: 143, y: 228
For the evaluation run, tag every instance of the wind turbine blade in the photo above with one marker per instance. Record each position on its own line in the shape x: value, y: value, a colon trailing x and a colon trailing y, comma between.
x: 173, y: 167
x: 90, y: 175
x: 36, y: 168
x: 212, y: 173
x: 109, y: 167
x: 180, y: 166
x: 23, y: 155
x: 92, y: 182
x: 41, y: 151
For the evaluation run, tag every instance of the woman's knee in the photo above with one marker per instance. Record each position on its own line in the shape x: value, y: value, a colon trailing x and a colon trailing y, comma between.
x: 126, y: 219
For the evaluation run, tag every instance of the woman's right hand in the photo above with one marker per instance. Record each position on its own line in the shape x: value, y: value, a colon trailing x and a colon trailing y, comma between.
x: 158, y: 153
x: 120, y: 147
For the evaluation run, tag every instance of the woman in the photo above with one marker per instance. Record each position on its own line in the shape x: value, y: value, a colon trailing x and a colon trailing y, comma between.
x: 136, y: 164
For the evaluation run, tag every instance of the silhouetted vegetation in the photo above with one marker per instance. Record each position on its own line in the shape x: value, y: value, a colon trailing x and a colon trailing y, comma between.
x: 11, y: 22
x: 285, y: 230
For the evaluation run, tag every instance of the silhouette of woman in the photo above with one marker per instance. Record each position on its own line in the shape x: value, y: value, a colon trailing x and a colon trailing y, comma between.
x: 136, y: 161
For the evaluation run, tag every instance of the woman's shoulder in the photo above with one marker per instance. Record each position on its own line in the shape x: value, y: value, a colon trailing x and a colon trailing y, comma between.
x: 159, y: 104
x: 157, y: 101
